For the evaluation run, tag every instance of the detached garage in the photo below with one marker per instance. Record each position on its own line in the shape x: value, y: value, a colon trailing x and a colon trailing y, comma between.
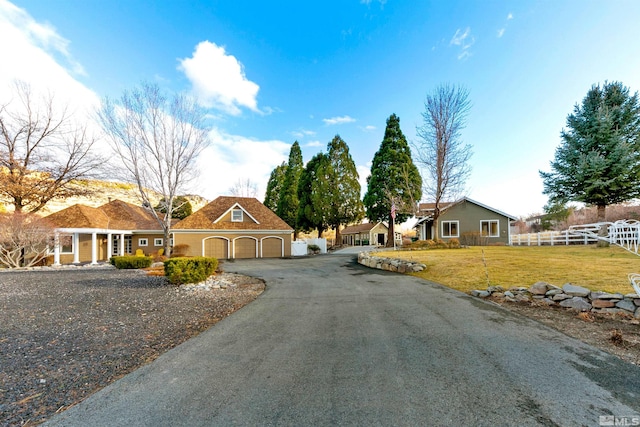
x: 234, y: 227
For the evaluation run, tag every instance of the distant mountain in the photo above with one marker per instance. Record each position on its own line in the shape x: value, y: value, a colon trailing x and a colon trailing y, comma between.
x: 105, y: 191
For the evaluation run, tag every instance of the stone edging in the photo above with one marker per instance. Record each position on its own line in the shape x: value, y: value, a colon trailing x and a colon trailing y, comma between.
x: 389, y: 264
x: 569, y: 296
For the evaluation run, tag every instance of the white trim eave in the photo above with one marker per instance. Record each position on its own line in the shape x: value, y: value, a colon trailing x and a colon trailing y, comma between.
x: 92, y: 230
x: 236, y: 205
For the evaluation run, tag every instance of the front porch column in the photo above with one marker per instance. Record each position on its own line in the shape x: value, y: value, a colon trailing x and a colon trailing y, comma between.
x: 76, y: 248
x: 94, y: 249
x: 109, y: 245
x: 121, y: 243
x: 56, y: 249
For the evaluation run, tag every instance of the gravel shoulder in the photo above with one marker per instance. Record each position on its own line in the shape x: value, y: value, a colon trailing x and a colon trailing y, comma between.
x: 65, y: 334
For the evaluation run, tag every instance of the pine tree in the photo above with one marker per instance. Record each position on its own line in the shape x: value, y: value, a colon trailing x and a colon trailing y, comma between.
x: 598, y: 160
x: 394, y: 179
x: 288, y: 202
x: 312, y: 211
x: 274, y: 186
x: 343, y: 190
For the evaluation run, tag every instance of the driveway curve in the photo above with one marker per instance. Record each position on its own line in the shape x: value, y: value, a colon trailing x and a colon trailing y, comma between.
x: 333, y: 343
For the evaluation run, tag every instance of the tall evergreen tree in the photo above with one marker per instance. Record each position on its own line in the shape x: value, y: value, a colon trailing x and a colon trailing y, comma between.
x: 274, y: 186
x: 598, y: 160
x: 288, y: 202
x: 394, y: 179
x: 343, y: 190
x: 312, y: 211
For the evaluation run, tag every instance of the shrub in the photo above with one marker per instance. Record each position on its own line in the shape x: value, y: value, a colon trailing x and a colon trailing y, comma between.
x: 313, y: 248
x: 130, y: 262
x: 454, y: 244
x: 189, y: 270
x: 179, y: 250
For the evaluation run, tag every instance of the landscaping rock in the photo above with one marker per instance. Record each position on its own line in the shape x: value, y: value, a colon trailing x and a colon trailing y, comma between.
x: 552, y: 292
x: 610, y: 311
x: 539, y: 288
x: 577, y: 303
x: 480, y: 294
x: 637, y: 315
x: 575, y: 291
x: 605, y: 295
x: 509, y: 294
x: 627, y: 305
x: 602, y: 303
x: 523, y: 297
x: 560, y: 297
x: 493, y: 289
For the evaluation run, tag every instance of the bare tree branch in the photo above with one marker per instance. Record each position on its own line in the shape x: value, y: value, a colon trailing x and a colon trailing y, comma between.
x: 158, y: 141
x: 42, y: 151
x: 443, y: 157
x: 25, y: 239
x: 244, y: 187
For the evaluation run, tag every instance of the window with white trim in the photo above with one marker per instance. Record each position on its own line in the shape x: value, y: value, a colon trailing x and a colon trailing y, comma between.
x: 66, y: 243
x: 158, y: 242
x: 450, y: 229
x: 236, y: 215
x: 490, y: 228
x: 143, y: 241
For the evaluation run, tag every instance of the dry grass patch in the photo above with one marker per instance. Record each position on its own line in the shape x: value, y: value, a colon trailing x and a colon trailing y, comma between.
x: 599, y: 269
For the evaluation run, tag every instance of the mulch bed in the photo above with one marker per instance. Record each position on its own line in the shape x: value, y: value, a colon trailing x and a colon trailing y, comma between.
x: 65, y: 334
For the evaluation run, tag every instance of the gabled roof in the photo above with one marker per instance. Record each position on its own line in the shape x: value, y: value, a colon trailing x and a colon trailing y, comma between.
x: 426, y: 209
x: 208, y: 218
x: 124, y: 215
x: 359, y: 228
x: 115, y: 215
x: 79, y: 216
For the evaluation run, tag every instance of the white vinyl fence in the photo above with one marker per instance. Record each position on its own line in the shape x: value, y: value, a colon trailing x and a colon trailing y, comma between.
x: 552, y: 238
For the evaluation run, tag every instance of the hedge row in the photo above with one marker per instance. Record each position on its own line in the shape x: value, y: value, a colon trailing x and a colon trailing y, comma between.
x: 189, y: 270
x: 128, y: 262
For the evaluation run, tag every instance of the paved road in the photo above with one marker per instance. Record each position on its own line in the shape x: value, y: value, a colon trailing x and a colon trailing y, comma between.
x: 333, y: 343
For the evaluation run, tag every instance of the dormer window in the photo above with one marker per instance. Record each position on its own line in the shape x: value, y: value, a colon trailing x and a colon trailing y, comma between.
x: 236, y: 215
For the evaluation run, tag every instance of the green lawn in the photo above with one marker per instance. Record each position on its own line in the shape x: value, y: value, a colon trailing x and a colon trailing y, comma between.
x: 596, y: 268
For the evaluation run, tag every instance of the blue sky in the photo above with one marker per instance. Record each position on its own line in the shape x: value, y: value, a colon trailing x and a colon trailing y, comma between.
x: 271, y: 73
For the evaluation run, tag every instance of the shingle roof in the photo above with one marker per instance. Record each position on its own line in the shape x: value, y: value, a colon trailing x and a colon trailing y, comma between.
x: 79, y: 216
x: 205, y: 218
x: 115, y: 215
x: 359, y: 228
x: 126, y: 216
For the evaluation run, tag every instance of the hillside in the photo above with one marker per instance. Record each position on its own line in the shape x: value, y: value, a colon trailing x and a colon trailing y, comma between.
x: 105, y: 191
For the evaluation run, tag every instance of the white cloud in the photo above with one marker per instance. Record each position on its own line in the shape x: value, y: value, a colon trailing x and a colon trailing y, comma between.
x: 233, y: 157
x: 314, y: 144
x: 509, y: 16
x: 363, y: 173
x: 503, y: 29
x: 368, y: 128
x: 302, y: 133
x: 465, y: 40
x: 339, y: 120
x: 218, y: 79
x: 501, y: 32
x: 40, y: 57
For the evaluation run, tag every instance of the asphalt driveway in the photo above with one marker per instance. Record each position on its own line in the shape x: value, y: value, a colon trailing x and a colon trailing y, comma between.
x: 334, y: 343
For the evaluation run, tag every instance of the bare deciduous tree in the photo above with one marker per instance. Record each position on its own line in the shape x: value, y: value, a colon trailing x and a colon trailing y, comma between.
x: 42, y: 151
x: 244, y: 187
x: 440, y: 152
x: 25, y: 239
x: 158, y: 141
